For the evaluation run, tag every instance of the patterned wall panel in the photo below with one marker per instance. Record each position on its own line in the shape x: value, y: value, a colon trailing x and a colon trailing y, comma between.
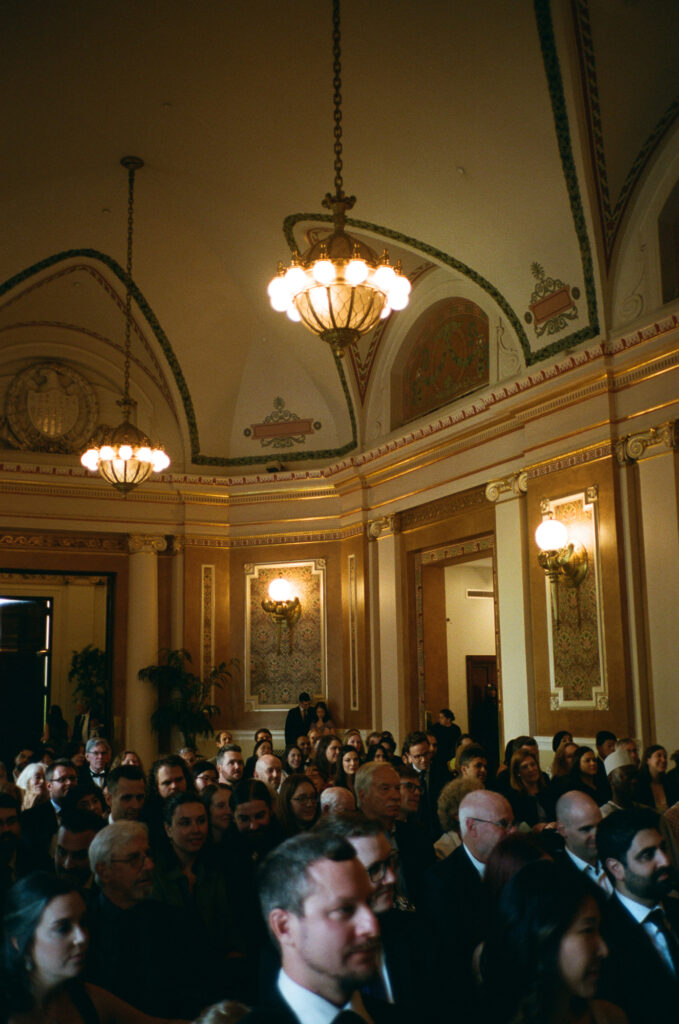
x: 577, y: 662
x: 448, y: 357
x: 273, y: 677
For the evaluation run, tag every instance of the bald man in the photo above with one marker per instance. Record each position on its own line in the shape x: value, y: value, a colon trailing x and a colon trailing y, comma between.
x: 336, y: 800
x: 269, y: 769
x: 577, y: 818
x: 454, y: 903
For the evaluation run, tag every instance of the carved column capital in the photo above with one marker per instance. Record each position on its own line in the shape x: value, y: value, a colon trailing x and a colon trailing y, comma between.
x: 632, y: 447
x: 145, y: 543
x: 178, y: 544
x: 384, y: 526
x: 511, y: 486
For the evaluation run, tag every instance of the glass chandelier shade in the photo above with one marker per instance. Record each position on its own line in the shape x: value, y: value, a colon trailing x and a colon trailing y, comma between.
x: 124, y: 456
x: 339, y: 288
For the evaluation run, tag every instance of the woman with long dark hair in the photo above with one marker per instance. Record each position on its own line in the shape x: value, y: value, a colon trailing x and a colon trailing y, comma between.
x: 55, y: 731
x: 298, y: 805
x: 327, y: 754
x: 528, y: 792
x: 649, y: 786
x: 348, y: 764
x: 321, y: 719
x: 542, y: 958
x: 45, y: 942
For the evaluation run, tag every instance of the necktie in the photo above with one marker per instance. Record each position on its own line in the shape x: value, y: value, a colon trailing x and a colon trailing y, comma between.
x: 348, y: 1017
x: 657, y: 917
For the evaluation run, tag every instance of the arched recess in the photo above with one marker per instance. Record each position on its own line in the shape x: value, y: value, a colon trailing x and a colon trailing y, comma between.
x: 636, y: 283
x: 505, y: 356
x: 66, y: 315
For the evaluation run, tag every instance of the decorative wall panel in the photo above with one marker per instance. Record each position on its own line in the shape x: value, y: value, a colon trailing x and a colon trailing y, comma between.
x: 576, y: 647
x: 274, y: 676
x: 353, y: 639
x: 448, y: 357
x: 207, y: 618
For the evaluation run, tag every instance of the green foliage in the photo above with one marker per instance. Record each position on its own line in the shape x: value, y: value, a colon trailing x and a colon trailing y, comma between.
x: 89, y: 670
x: 184, y: 698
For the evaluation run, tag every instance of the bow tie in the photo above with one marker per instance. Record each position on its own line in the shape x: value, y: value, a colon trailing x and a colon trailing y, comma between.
x: 97, y: 775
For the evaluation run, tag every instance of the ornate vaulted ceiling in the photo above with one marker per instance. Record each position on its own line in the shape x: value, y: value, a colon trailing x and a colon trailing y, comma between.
x: 493, y: 146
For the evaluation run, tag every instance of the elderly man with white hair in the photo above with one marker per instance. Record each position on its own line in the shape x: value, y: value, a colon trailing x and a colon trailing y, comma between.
x: 269, y: 769
x: 455, y: 902
x: 133, y: 939
x: 336, y: 800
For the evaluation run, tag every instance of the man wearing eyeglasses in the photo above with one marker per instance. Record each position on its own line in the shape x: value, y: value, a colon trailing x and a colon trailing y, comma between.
x: 403, y: 965
x: 40, y: 823
x: 133, y: 938
x: 454, y: 900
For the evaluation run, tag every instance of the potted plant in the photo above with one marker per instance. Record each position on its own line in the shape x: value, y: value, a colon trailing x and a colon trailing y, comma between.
x: 183, y: 697
x: 89, y: 671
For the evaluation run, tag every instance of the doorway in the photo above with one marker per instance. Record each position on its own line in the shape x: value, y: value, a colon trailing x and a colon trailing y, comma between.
x: 482, y: 708
x: 25, y: 672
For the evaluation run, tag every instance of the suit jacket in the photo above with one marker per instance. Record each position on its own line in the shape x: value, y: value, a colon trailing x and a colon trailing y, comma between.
x: 296, y: 724
x: 416, y: 854
x: 455, y: 908
x: 407, y: 950
x: 634, y: 975
x: 38, y: 824
x: 278, y: 1012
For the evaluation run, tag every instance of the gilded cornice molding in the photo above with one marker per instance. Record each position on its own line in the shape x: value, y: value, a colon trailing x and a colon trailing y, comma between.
x: 632, y: 447
x: 53, y: 579
x: 442, y: 508
x: 109, y: 544
x: 593, y: 453
x: 510, y: 486
x: 146, y: 543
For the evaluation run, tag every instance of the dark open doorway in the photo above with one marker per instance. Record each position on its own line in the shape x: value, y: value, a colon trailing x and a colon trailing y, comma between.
x: 25, y: 646
x: 482, y: 705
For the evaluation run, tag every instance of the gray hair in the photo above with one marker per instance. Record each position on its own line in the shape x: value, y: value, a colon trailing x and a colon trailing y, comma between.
x: 284, y: 881
x: 29, y: 773
x: 96, y: 741
x: 450, y: 798
x: 333, y: 797
x: 112, y: 839
x: 363, y: 780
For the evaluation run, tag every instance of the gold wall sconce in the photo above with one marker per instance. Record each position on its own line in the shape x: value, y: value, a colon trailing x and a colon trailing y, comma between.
x: 562, y: 560
x: 283, y: 607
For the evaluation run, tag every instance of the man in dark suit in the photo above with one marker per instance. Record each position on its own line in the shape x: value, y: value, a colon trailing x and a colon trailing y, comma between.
x: 133, y: 938
x: 97, y: 762
x: 298, y: 720
x: 406, y: 950
x: 454, y: 901
x: 39, y: 823
x: 417, y: 753
x: 641, y: 921
x: 315, y: 897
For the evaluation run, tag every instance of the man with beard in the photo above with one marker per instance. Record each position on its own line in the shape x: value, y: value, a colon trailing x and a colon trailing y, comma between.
x: 258, y: 828
x: 315, y: 897
x: 133, y: 938
x: 641, y: 922
x: 77, y: 829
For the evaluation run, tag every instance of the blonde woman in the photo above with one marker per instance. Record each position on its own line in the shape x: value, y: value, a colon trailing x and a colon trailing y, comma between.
x: 32, y: 785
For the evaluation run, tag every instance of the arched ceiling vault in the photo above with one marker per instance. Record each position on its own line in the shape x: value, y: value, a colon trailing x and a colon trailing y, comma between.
x: 501, y: 141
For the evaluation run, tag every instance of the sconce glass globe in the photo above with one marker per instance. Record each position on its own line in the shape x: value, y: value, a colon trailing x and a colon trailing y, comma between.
x: 551, y: 535
x: 280, y: 590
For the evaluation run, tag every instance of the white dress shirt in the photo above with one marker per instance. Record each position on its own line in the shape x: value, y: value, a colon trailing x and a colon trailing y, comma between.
x: 595, y: 874
x: 314, y: 1009
x: 639, y: 912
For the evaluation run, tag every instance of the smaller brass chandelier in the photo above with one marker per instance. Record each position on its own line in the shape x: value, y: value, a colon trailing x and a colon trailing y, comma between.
x: 339, y: 288
x: 283, y: 607
x: 124, y: 455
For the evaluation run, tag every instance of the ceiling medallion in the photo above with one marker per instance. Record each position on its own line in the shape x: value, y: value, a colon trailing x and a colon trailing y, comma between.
x: 339, y: 288
x: 123, y: 455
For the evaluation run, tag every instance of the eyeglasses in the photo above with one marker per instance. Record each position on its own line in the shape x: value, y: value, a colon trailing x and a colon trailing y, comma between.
x: 378, y: 870
x: 64, y: 778
x: 412, y: 787
x: 135, y: 860
x: 306, y: 799
x: 501, y: 823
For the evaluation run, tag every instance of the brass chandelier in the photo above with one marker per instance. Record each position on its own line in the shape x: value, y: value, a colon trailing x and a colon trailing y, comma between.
x: 124, y: 455
x: 339, y: 288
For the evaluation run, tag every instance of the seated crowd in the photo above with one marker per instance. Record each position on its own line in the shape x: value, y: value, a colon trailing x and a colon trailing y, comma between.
x: 338, y: 880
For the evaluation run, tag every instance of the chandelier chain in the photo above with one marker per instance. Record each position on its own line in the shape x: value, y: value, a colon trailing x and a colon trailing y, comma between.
x: 337, y: 83
x: 128, y: 296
